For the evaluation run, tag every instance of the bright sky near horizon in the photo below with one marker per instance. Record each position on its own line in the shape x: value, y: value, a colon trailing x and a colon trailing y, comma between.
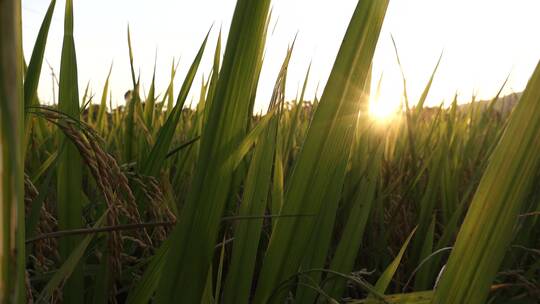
x: 483, y: 42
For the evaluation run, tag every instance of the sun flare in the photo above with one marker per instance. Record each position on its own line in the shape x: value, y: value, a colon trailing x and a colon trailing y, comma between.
x: 383, y: 110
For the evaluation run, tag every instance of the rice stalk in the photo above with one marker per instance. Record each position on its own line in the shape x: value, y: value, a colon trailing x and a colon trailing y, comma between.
x: 12, y: 233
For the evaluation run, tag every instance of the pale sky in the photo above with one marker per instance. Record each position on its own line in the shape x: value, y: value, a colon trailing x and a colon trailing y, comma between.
x: 483, y: 42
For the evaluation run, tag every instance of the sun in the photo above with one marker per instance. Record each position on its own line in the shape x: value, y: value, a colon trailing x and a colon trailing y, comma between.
x: 383, y: 110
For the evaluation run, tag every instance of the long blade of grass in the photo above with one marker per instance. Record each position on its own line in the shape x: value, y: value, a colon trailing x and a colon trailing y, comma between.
x: 250, y: 139
x: 257, y: 186
x: 347, y: 249
x: 296, y: 117
x: 149, y: 106
x: 422, y: 279
x: 195, y: 234
x: 321, y: 236
x: 31, y: 80
x: 155, y: 159
x: 420, y: 105
x: 247, y: 233
x: 490, y: 222
x: 12, y: 233
x: 101, y: 117
x: 325, y: 149
x: 131, y: 105
x: 213, y: 80
x: 388, y: 274
x: 69, y: 174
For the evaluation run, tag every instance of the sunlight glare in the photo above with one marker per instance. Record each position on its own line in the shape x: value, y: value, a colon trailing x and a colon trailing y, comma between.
x: 383, y: 108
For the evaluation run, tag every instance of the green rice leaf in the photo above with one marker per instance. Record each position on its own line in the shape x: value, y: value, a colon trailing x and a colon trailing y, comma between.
x: 69, y: 171
x: 194, y: 236
x: 155, y: 159
x: 33, y: 72
x: 490, y: 221
x: 12, y: 207
x: 321, y: 164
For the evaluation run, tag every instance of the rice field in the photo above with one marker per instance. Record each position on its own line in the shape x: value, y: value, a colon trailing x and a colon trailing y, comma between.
x: 315, y: 201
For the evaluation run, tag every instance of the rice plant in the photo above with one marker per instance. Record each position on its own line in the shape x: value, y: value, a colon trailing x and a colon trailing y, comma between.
x: 12, y: 249
x: 314, y: 201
